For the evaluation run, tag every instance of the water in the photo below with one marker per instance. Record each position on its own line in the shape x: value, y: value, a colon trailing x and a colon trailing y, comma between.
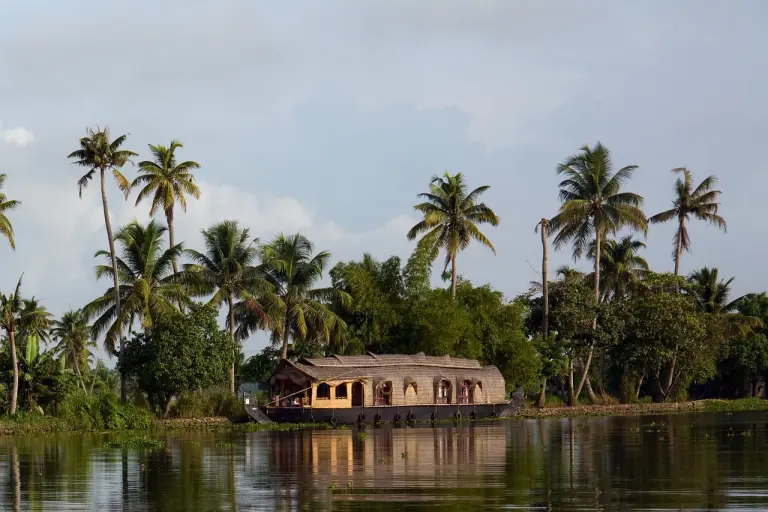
x: 678, y: 462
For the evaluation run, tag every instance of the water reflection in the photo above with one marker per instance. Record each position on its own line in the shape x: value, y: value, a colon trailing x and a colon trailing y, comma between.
x: 698, y: 462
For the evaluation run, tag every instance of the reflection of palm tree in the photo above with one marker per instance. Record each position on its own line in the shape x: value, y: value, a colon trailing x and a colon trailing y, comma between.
x: 620, y: 266
x: 451, y: 216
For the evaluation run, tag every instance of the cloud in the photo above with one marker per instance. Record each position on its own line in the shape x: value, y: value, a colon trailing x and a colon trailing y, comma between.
x: 19, y: 137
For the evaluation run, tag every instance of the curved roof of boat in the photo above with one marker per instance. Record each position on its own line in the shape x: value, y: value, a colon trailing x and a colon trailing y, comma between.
x: 372, y: 360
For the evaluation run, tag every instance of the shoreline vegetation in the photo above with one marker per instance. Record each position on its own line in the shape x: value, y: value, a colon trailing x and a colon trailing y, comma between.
x: 30, y: 425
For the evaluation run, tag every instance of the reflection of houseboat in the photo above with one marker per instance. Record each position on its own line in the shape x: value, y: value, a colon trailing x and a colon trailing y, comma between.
x: 374, y: 388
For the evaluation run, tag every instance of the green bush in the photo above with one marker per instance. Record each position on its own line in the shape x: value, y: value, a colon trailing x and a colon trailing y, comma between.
x: 97, y: 412
x: 217, y: 401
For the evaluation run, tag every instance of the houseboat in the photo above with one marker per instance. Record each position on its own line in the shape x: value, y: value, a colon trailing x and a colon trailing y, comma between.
x: 376, y: 388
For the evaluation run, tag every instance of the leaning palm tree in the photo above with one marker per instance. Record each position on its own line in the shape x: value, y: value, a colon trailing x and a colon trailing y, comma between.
x: 148, y: 289
x: 294, y: 271
x: 6, y: 228
x: 594, y: 207
x: 700, y: 202
x: 620, y: 265
x: 168, y: 182
x: 227, y: 269
x: 74, y: 341
x: 451, y: 216
x: 98, y: 153
x: 20, y: 318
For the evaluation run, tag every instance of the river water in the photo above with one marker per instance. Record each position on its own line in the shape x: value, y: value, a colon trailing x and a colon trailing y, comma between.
x: 677, y: 462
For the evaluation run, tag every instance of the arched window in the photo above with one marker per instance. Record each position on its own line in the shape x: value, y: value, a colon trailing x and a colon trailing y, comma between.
x: 341, y: 391
x: 464, y: 397
x: 323, y: 391
x: 383, y: 394
x: 443, y: 392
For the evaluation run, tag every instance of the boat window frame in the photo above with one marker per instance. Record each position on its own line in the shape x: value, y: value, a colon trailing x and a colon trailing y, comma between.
x: 319, y: 387
x: 336, y: 391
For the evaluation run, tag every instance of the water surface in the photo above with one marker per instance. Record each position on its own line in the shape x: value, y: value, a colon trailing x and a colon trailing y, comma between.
x: 676, y: 462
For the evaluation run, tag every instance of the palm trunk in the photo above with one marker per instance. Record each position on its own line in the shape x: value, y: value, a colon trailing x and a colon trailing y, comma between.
x: 171, y: 237
x: 232, y: 333
x: 80, y: 376
x: 543, y: 393
x: 545, y: 279
x: 286, y: 338
x: 15, y: 364
x: 571, y: 395
x: 115, y: 282
x: 679, y: 251
x: 453, y: 276
x: 639, y: 386
x: 670, y: 378
x: 598, y: 252
x: 167, y: 408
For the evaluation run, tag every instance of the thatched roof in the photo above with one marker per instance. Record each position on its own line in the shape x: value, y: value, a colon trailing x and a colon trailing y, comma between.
x: 394, y: 367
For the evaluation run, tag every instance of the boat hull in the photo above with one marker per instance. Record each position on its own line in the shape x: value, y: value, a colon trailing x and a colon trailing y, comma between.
x: 384, y: 414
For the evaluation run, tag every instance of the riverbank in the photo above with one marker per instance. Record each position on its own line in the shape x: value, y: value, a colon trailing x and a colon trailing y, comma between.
x: 33, y: 425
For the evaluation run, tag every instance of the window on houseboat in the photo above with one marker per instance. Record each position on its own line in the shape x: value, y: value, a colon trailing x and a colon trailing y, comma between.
x: 384, y: 394
x: 463, y: 397
x: 442, y: 392
x: 341, y: 391
x: 323, y: 391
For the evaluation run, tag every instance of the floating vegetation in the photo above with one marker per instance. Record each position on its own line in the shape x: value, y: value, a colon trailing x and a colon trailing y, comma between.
x: 404, y: 455
x: 362, y: 435
x: 135, y: 442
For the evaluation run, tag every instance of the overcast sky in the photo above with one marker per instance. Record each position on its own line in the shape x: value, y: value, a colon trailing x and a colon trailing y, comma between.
x: 329, y: 117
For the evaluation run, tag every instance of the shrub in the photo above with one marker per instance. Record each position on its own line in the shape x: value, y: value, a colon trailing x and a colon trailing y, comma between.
x: 96, y: 412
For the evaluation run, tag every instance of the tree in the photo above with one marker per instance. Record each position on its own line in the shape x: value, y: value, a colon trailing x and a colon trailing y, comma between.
x: 293, y: 270
x: 451, y: 217
x: 620, y: 266
x: 544, y: 225
x: 97, y: 152
x: 74, y: 341
x: 594, y: 207
x: 6, y: 205
x: 19, y: 318
x: 227, y: 269
x: 148, y: 291
x: 699, y: 203
x: 167, y: 182
x: 259, y: 368
x: 179, y: 353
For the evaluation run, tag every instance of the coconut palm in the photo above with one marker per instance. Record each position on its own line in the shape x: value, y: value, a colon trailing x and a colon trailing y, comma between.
x: 20, y: 318
x: 6, y: 228
x: 711, y: 292
x: 227, y: 269
x: 74, y: 341
x: 451, y: 216
x: 294, y: 271
x: 620, y: 265
x: 594, y: 207
x: 148, y: 290
x: 168, y: 182
x: 699, y: 203
x: 98, y: 153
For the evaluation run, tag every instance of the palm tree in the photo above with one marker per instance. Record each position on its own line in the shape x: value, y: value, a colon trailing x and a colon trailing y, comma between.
x: 6, y: 228
x: 227, y: 269
x: 544, y: 225
x: 168, y: 183
x: 73, y: 334
x: 451, y: 217
x: 148, y: 290
x: 293, y: 270
x: 701, y: 203
x: 97, y: 152
x: 711, y: 292
x: 620, y: 266
x: 20, y: 318
x: 594, y: 206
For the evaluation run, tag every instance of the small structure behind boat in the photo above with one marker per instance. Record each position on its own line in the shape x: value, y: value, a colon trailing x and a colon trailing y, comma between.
x: 384, y: 387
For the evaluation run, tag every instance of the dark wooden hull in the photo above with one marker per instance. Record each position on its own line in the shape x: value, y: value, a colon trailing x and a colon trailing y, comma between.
x: 385, y: 414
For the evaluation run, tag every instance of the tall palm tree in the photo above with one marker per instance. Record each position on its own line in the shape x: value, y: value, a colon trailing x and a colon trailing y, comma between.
x: 19, y: 318
x: 292, y: 268
x: 98, y: 153
x: 620, y: 265
x: 148, y: 289
x: 6, y: 228
x: 451, y: 216
x: 544, y: 226
x: 74, y: 341
x: 167, y: 182
x: 594, y: 207
x: 227, y: 269
x: 700, y: 203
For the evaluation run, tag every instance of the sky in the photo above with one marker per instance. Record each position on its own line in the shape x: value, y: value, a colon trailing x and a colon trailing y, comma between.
x: 329, y: 117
